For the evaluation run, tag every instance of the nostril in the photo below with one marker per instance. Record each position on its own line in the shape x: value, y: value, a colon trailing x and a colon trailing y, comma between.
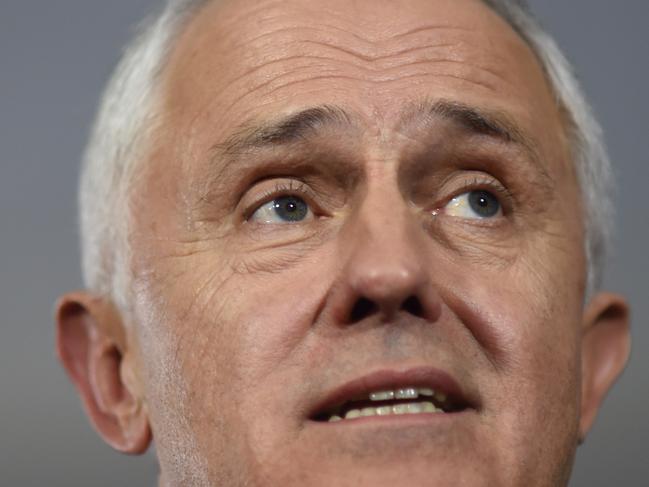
x: 362, y: 309
x: 413, y: 306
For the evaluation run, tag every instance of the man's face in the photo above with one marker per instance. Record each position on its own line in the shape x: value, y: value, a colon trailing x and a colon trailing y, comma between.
x: 350, y: 197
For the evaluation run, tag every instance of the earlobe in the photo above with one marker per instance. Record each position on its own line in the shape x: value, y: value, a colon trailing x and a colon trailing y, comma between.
x: 92, y: 347
x: 605, y: 351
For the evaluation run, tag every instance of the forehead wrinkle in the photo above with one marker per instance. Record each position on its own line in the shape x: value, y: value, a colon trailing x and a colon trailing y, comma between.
x: 441, y: 62
x: 383, y: 32
x: 366, y: 52
x: 237, y: 24
x: 385, y: 80
x: 255, y: 69
x: 366, y: 49
x: 300, y: 74
x: 307, y: 57
x: 365, y: 67
x: 430, y: 27
x: 322, y: 28
x: 373, y: 59
x: 304, y: 76
x: 419, y: 54
x: 237, y: 100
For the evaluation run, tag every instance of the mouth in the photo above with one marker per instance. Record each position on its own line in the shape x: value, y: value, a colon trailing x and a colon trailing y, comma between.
x: 421, y: 391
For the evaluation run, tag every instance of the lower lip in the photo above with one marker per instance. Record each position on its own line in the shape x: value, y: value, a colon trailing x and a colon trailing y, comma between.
x: 400, y: 419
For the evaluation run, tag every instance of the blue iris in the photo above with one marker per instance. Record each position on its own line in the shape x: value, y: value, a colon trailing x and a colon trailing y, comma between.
x: 290, y: 208
x: 484, y: 203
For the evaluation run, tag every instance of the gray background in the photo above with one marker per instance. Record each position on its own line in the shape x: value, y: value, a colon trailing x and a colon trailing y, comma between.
x: 55, y: 57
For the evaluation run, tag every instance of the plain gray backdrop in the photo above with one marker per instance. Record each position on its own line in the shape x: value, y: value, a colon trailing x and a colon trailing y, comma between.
x: 55, y: 57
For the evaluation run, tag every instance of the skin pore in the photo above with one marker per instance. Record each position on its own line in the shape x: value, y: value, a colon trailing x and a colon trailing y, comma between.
x: 381, y: 120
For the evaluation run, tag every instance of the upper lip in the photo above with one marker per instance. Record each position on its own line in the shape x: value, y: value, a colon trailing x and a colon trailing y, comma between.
x: 387, y: 379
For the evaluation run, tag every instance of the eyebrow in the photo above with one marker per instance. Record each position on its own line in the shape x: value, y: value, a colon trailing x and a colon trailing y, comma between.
x: 285, y: 130
x: 309, y: 122
x: 475, y: 121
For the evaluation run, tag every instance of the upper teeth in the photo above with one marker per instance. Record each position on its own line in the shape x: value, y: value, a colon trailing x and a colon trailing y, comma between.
x: 405, y: 393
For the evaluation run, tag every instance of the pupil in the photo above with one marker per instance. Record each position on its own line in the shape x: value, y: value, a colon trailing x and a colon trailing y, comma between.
x: 290, y: 208
x: 484, y: 203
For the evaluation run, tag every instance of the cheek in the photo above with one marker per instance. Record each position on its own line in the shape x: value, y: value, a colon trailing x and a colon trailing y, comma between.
x: 273, y: 314
x: 538, y: 318
x: 540, y: 306
x: 211, y: 326
x: 190, y: 341
x: 533, y: 391
x: 544, y: 288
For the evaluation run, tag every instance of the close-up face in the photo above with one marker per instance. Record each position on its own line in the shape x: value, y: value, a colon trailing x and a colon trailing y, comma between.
x: 357, y: 251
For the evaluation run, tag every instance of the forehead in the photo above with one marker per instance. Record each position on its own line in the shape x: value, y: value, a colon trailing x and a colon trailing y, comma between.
x: 238, y: 61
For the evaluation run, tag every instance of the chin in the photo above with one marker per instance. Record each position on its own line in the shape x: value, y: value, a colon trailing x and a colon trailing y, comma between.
x: 418, y: 472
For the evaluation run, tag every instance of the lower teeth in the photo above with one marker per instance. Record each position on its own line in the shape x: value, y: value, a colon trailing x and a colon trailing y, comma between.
x: 403, y: 408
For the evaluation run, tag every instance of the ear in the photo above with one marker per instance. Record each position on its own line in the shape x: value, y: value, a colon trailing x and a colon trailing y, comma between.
x: 605, y: 350
x: 92, y: 346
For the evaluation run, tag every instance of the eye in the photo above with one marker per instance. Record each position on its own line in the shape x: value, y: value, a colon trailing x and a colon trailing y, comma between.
x: 283, y: 209
x: 477, y: 204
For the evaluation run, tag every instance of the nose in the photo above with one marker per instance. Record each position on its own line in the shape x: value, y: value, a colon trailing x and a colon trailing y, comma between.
x: 385, y: 268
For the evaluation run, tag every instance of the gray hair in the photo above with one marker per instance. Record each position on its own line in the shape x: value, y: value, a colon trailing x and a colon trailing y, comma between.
x: 128, y: 110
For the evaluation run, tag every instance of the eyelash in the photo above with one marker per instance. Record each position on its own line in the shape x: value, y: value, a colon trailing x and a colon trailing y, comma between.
x: 505, y: 196
x: 294, y: 187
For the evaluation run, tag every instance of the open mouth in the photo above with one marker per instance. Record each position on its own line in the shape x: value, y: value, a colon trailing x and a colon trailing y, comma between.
x: 407, y: 400
x: 372, y: 396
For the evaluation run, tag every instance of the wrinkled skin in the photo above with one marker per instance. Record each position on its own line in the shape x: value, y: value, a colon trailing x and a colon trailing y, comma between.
x: 238, y: 327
